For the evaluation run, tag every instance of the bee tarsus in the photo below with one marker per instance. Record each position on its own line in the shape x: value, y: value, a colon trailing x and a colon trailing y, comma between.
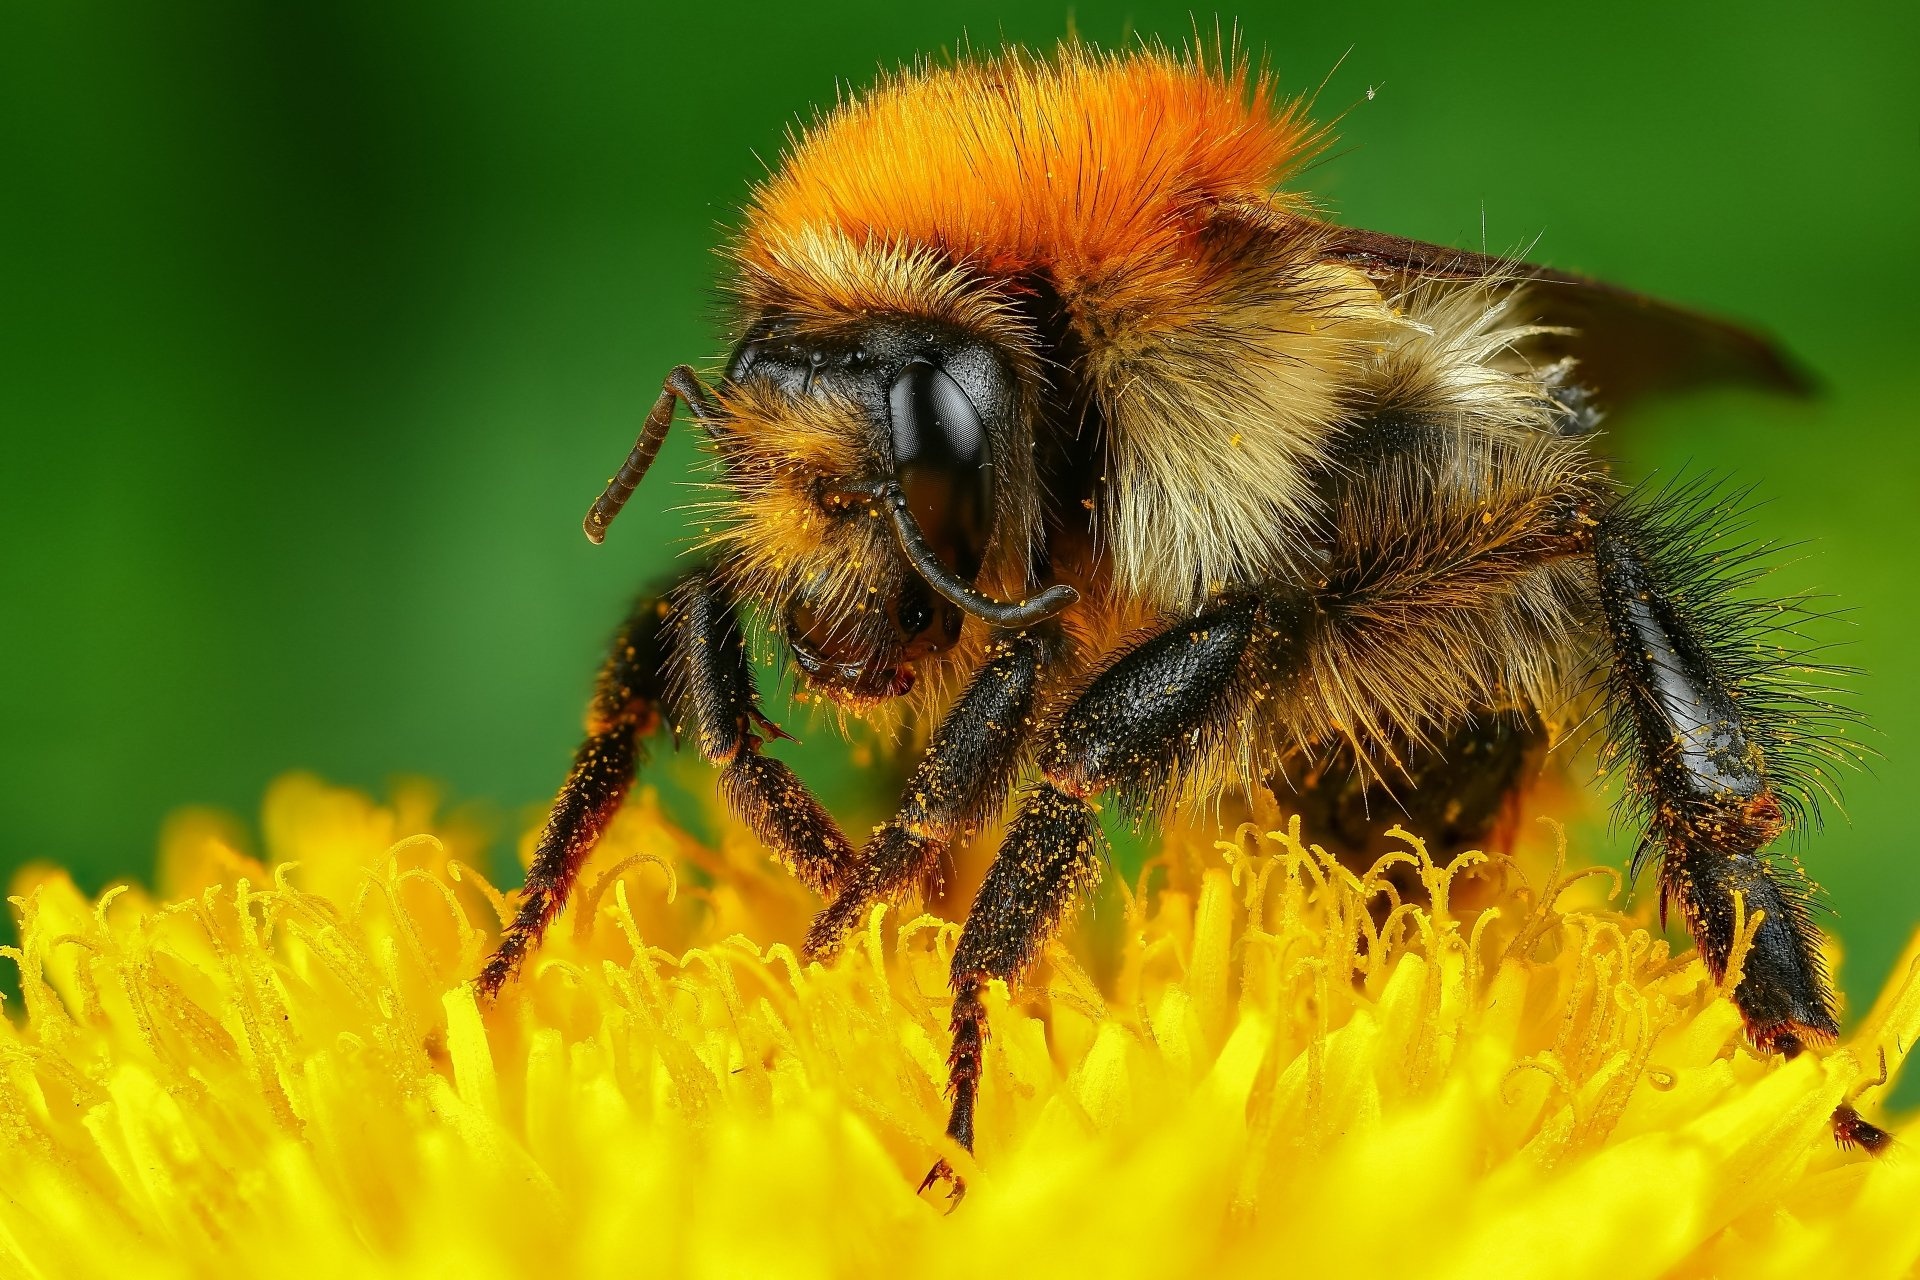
x: 961, y: 782
x: 679, y: 655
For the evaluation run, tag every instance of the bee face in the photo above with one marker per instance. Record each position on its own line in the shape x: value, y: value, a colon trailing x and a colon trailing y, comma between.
x: 826, y: 427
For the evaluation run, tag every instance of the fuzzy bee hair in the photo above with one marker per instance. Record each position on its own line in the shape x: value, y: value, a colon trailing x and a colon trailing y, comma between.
x: 1229, y: 496
x: 1226, y: 355
x: 1218, y: 340
x: 774, y: 538
x: 1696, y: 532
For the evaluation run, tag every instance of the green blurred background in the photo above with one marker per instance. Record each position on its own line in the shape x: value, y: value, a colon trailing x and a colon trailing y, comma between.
x: 323, y: 321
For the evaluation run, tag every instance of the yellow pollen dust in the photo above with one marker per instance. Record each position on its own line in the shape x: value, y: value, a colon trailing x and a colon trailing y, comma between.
x: 1250, y: 1061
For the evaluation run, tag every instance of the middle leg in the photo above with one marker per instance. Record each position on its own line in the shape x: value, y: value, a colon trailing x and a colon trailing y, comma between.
x: 1135, y: 732
x: 963, y: 778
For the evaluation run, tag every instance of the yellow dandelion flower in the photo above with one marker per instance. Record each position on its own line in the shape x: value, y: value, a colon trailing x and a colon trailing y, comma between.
x: 278, y: 1069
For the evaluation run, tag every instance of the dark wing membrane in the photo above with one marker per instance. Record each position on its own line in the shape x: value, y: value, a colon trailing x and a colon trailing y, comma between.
x: 1628, y: 345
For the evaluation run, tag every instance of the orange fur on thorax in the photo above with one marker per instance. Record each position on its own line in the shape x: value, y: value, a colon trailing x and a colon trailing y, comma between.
x: 1079, y: 165
x: 1141, y: 189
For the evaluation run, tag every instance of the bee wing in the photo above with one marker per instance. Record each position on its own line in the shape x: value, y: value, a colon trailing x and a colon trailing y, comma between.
x: 1628, y: 345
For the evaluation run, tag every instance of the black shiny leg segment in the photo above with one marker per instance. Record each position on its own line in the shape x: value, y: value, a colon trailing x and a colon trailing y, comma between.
x: 1130, y: 733
x: 682, y: 650
x: 1703, y: 779
x: 1686, y: 710
x: 626, y: 707
x: 712, y: 686
x: 961, y: 781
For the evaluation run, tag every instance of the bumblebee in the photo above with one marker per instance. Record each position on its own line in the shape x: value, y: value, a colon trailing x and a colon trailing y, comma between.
x: 1058, y: 423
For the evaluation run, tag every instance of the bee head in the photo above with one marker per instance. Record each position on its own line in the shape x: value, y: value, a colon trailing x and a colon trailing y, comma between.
x: 881, y: 491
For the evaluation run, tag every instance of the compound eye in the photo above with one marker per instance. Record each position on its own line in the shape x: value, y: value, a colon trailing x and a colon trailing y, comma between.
x: 944, y: 465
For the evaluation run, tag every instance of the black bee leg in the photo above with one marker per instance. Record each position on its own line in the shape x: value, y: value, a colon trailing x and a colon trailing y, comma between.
x: 1675, y: 697
x: 962, y: 779
x: 626, y: 707
x: 1051, y: 856
x: 1048, y: 861
x: 712, y: 683
x: 1851, y: 1130
x: 682, y: 649
x: 1133, y: 732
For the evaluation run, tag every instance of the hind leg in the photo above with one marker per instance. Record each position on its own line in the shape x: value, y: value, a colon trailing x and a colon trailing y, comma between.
x: 1697, y: 715
x: 1704, y: 781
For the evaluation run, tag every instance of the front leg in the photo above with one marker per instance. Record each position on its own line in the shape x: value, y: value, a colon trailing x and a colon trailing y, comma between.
x: 711, y: 685
x: 1136, y: 730
x: 962, y: 779
x: 626, y: 708
x: 683, y: 650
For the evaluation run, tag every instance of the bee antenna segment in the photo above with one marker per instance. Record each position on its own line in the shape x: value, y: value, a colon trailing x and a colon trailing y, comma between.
x: 1012, y: 615
x: 681, y: 384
